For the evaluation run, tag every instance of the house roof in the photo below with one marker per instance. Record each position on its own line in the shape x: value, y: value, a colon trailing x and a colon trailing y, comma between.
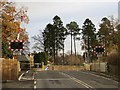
x: 22, y: 58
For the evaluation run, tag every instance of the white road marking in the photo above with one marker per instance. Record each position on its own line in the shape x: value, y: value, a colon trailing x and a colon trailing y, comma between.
x: 27, y: 78
x: 35, y: 82
x: 55, y: 79
x: 20, y: 76
x: 99, y: 76
x: 77, y: 80
x: 27, y: 71
x: 35, y: 87
x: 33, y: 76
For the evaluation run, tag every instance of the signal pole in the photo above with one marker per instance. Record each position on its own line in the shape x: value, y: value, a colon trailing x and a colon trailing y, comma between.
x: 99, y: 50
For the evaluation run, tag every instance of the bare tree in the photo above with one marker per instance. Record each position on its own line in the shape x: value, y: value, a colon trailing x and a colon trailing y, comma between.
x: 39, y: 43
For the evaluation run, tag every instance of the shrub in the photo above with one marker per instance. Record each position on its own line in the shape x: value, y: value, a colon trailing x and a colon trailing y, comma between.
x: 113, y: 59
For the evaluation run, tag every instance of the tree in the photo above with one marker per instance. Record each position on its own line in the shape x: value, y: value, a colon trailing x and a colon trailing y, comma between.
x: 118, y: 36
x: 39, y: 42
x: 11, y: 20
x: 107, y: 34
x: 74, y: 29
x: 44, y: 57
x: 48, y: 37
x: 118, y: 44
x: 60, y: 32
x: 89, y: 36
x: 41, y: 57
x: 104, y: 32
x: 54, y: 36
x: 37, y: 59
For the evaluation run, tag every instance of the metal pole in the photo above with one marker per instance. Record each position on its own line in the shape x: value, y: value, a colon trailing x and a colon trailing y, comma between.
x: 99, y: 55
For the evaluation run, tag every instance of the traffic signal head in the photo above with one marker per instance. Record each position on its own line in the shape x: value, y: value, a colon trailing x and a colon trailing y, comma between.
x: 99, y: 49
x: 16, y: 45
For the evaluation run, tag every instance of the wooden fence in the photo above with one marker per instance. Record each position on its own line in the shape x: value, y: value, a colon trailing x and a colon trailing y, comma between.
x: 10, y: 69
x: 0, y: 68
x: 62, y: 68
x: 102, y: 67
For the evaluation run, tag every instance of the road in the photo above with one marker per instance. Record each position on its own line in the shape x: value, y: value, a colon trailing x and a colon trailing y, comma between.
x: 67, y: 79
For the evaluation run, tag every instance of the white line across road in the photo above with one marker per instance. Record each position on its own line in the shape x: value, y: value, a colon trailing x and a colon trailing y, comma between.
x: 27, y: 78
x: 54, y: 79
x: 78, y: 81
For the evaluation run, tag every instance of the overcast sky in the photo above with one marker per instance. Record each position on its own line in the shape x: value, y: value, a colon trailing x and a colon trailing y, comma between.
x: 41, y: 13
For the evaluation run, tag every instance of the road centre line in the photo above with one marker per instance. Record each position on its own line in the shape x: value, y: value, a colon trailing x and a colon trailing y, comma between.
x: 35, y: 87
x: 78, y: 81
x: 33, y: 76
x: 35, y: 82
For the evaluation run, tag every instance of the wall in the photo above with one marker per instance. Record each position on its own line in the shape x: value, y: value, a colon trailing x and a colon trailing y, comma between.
x: 65, y: 67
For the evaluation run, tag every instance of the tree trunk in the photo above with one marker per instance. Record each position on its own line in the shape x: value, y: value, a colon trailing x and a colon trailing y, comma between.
x: 63, y: 55
x: 71, y: 43
x: 75, y: 46
x: 88, y: 56
x: 54, y: 52
x: 54, y: 57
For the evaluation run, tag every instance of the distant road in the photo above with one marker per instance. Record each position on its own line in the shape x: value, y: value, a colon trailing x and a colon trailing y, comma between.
x: 72, y: 79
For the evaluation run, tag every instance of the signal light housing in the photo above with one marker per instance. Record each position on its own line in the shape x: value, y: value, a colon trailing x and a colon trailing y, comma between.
x: 16, y: 45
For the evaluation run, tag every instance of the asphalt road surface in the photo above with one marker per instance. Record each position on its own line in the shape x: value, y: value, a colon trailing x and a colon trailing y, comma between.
x: 65, y: 80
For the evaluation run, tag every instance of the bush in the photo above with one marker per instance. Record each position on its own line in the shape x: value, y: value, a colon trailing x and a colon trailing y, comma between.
x: 113, y: 59
x: 44, y: 57
x: 37, y: 58
x: 41, y: 57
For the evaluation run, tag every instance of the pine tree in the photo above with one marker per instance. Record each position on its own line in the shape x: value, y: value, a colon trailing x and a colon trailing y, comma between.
x: 89, y: 36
